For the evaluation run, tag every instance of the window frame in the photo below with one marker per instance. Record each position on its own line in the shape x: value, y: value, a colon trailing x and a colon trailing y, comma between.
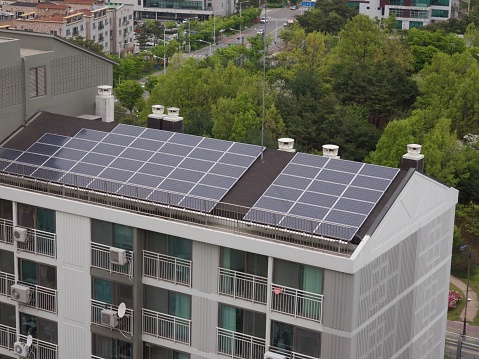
x: 38, y: 81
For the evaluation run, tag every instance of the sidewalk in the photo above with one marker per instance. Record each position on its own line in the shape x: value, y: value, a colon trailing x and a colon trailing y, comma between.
x: 472, y: 304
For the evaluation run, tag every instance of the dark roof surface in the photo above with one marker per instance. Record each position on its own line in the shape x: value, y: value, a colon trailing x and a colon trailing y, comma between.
x: 46, y: 122
x: 24, y: 4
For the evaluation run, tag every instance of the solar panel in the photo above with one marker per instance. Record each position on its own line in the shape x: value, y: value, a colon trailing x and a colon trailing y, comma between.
x: 227, y: 170
x: 197, y: 165
x: 43, y: 148
x: 87, y: 169
x: 212, y: 144
x: 174, y: 149
x: 145, y: 180
x: 157, y: 135
x: 70, y: 154
x: 120, y: 140
x: 126, y: 164
x: 156, y: 169
x: 218, y: 181
x: 145, y: 144
x: 237, y: 160
x: 108, y: 149
x: 93, y: 135
x: 59, y: 164
x: 54, y: 139
x: 78, y: 144
x: 136, y: 154
x: 186, y: 175
x: 32, y: 158
x: 128, y: 130
x: 336, y: 196
x: 183, y: 139
x: 204, y: 154
x: 98, y: 159
x: 9, y: 154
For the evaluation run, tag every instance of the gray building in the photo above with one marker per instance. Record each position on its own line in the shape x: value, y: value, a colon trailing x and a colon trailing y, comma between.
x: 119, y: 241
x: 45, y: 72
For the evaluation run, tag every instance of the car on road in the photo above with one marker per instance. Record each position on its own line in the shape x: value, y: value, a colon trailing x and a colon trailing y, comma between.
x: 260, y: 32
x: 263, y: 20
x: 294, y: 7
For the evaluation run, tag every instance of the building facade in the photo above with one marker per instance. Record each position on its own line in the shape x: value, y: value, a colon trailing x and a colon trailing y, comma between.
x: 40, y: 71
x: 103, y: 270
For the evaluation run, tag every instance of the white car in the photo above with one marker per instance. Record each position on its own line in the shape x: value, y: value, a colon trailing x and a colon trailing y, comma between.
x: 263, y: 20
x: 260, y: 32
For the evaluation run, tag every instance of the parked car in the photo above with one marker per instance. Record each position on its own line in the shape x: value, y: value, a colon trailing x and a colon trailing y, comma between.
x: 294, y: 7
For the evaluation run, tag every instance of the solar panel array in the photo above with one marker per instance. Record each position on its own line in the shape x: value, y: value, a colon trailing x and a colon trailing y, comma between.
x: 322, y: 195
x: 161, y: 166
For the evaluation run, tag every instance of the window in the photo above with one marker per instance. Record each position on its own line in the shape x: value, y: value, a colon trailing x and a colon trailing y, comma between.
x: 130, y: 17
x: 419, y: 14
x: 6, y: 209
x: 153, y: 352
x: 36, y: 218
x: 170, y: 245
x: 37, y: 273
x: 245, y: 262
x: 112, y: 234
x: 415, y: 24
x: 295, y: 339
x: 112, y: 292
x: 440, y: 2
x: 82, y: 27
x: 37, y: 82
x: 53, y: 32
x: 299, y: 276
x: 398, y: 12
x: 164, y: 301
x: 68, y: 32
x: 7, y: 315
x: 439, y: 13
x: 7, y: 260
x: 104, y: 347
x: 242, y: 321
x: 39, y: 328
x: 106, y: 21
x: 18, y: 14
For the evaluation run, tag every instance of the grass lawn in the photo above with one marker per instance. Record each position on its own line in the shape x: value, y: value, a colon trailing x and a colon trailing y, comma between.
x: 454, y: 314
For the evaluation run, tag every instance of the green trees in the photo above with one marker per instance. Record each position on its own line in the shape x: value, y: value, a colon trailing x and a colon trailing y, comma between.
x: 129, y: 93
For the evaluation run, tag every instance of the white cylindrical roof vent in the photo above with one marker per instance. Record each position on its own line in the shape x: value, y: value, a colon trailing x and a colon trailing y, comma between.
x: 330, y: 151
x: 173, y: 111
x: 413, y: 149
x: 104, y: 90
x: 286, y: 144
x: 158, y: 109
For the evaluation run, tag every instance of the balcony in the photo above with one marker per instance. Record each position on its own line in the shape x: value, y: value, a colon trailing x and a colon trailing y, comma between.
x: 238, y: 345
x: 290, y: 354
x: 101, y: 26
x: 296, y: 302
x: 8, y: 337
x: 100, y: 258
x: 6, y: 231
x: 42, y: 349
x: 163, y: 267
x: 125, y: 324
x: 40, y: 243
x: 41, y: 298
x: 166, y: 326
x: 6, y: 281
x: 242, y: 285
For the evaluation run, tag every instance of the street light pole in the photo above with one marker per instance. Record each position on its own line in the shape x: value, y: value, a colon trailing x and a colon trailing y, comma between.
x: 214, y: 24
x: 264, y: 82
x: 241, y: 22
x: 164, y: 50
x: 463, y: 336
x: 206, y: 42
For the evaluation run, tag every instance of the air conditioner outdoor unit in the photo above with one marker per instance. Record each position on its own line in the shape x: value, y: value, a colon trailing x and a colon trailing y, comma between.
x: 21, y: 349
x: 271, y: 355
x: 118, y: 256
x: 20, y: 234
x: 109, y: 317
x: 20, y: 293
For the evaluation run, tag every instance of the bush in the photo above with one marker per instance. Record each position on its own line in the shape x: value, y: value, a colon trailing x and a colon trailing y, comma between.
x: 453, y: 298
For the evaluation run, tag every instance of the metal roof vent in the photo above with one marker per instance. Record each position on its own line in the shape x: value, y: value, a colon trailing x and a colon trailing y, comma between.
x: 158, y: 109
x: 105, y: 103
x: 173, y: 111
x: 331, y: 151
x: 413, y: 158
x: 154, y: 119
x: 172, y: 122
x: 286, y: 144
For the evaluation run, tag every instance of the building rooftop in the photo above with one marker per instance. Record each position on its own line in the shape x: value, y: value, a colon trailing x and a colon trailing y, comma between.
x: 295, y: 194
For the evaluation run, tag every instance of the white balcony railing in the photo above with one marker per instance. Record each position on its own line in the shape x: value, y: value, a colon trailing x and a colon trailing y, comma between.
x: 6, y: 231
x: 96, y: 357
x: 100, y: 258
x: 39, y: 242
x: 290, y: 354
x: 238, y: 345
x: 8, y: 337
x: 125, y: 324
x: 41, y: 349
x: 296, y: 302
x: 6, y: 281
x: 166, y: 326
x: 41, y: 298
x: 242, y: 285
x: 163, y: 267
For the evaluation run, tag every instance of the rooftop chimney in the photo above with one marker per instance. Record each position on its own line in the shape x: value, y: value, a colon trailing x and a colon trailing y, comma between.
x: 172, y: 122
x: 154, y: 119
x: 331, y: 151
x: 105, y: 103
x: 286, y: 144
x: 413, y: 158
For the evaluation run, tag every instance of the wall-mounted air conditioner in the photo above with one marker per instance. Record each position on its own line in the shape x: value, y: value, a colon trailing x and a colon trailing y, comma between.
x: 109, y: 318
x: 271, y: 355
x: 20, y: 234
x: 118, y: 256
x: 20, y: 293
x: 21, y: 349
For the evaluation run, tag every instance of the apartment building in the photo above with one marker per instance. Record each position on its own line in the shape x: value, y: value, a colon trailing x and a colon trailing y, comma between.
x: 41, y: 71
x: 409, y: 13
x: 122, y: 35
x: 119, y: 241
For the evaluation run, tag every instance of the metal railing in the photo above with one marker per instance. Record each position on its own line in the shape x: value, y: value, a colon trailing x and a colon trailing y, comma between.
x: 39, y: 242
x: 296, y: 302
x: 242, y: 285
x: 96, y: 357
x: 470, y: 345
x: 6, y: 231
x: 41, y: 349
x: 238, y: 345
x: 163, y: 267
x: 125, y: 324
x: 314, y: 234
x: 8, y: 337
x: 100, y: 258
x: 290, y: 354
x: 41, y: 298
x: 166, y: 326
x: 6, y: 281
